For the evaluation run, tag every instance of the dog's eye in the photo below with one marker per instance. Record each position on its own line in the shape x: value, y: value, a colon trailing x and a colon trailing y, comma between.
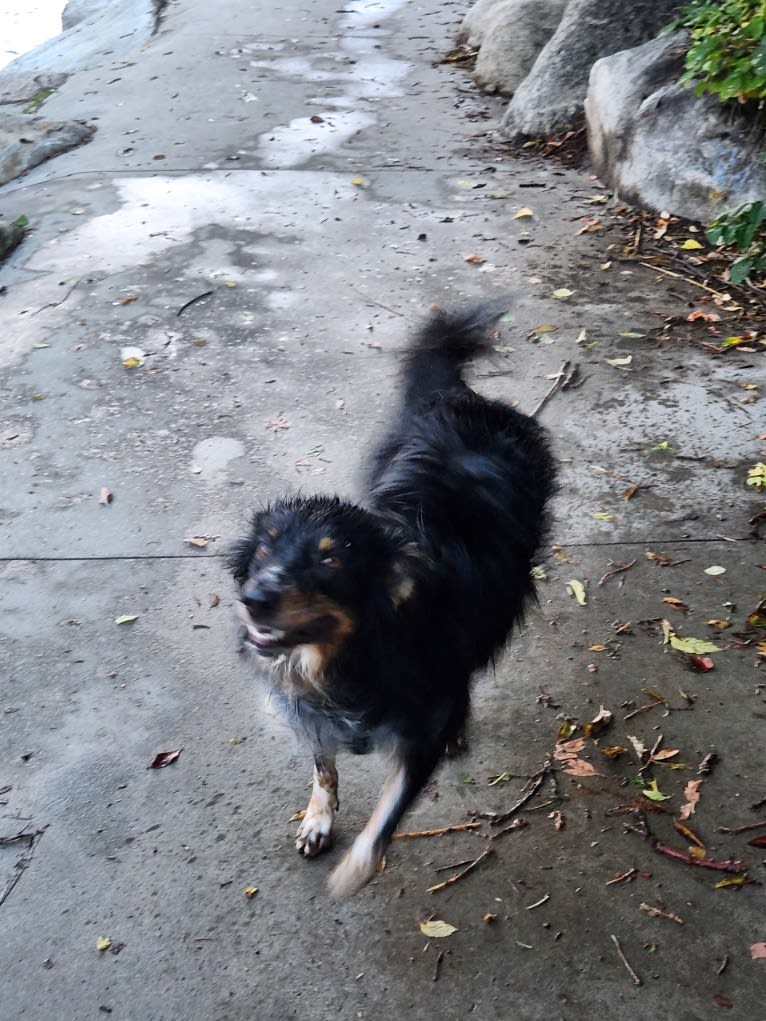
x: 331, y: 561
x: 261, y: 551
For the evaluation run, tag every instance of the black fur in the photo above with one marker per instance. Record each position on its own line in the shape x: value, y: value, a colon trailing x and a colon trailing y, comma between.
x: 424, y: 579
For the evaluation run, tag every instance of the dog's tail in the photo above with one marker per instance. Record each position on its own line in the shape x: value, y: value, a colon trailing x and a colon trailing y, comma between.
x: 443, y: 345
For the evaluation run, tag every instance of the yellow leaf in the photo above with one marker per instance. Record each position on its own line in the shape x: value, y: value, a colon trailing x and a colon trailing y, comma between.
x: 715, y: 571
x: 103, y: 943
x: 690, y: 245
x: 654, y: 793
x: 358, y: 182
x: 694, y: 646
x: 619, y: 363
x: 562, y: 292
x: 437, y: 929
x: 730, y: 881
x: 577, y: 589
x: 250, y: 892
x: 126, y: 618
x: 523, y: 213
x: 603, y: 516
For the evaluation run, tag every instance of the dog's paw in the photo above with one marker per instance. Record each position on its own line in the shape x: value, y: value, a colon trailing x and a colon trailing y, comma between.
x: 315, y: 832
x: 357, y: 868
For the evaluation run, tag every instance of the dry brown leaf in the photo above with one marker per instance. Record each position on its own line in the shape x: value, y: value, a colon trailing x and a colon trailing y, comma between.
x: 692, y: 795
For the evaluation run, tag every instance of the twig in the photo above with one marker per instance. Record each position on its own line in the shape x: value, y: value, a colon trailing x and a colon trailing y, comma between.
x: 193, y: 301
x: 457, y: 828
x: 625, y: 877
x: 454, y: 865
x: 536, y: 782
x: 538, y: 903
x: 636, y: 978
x: 617, y: 569
x: 23, y: 861
x: 55, y: 304
x: 486, y: 853
x: 559, y: 381
x: 722, y: 966
x: 679, y: 276
x: 742, y: 829
x: 437, y: 966
x: 642, y: 829
x: 657, y: 913
x: 517, y: 824
x: 704, y: 863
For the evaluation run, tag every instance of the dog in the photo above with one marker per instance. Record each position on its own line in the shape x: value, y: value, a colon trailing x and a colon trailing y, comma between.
x: 374, y: 616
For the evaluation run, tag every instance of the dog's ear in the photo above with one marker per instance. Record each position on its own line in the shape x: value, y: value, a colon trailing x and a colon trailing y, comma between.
x: 402, y: 579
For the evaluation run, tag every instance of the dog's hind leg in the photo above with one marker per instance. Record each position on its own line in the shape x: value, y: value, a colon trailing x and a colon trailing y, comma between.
x: 412, y: 769
x: 315, y: 832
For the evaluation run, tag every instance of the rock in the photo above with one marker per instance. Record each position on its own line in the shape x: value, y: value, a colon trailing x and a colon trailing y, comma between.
x: 111, y: 34
x: 553, y: 93
x: 515, y: 32
x: 26, y: 141
x: 80, y: 10
x: 10, y: 238
x: 474, y: 27
x: 661, y: 146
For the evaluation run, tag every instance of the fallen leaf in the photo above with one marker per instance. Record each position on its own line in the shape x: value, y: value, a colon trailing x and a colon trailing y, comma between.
x: 695, y: 646
x: 758, y: 841
x: 654, y: 793
x: 638, y: 747
x: 577, y: 589
x: 358, y: 182
x: 103, y: 943
x: 689, y: 834
x: 603, y: 516
x: 598, y: 724
x: 475, y: 259
x: 523, y: 214
x: 132, y: 357
x: 664, y: 754
x: 715, y: 571
x: 544, y: 328
x: 731, y: 881
x: 758, y: 951
x: 690, y: 245
x: 106, y: 496
x: 126, y: 618
x: 437, y: 929
x: 197, y: 540
x: 250, y: 892
x: 562, y: 292
x: 708, y: 317
x: 677, y: 604
x: 163, y: 759
x: 619, y: 363
x: 719, y: 625
x: 614, y: 751
x: 692, y: 795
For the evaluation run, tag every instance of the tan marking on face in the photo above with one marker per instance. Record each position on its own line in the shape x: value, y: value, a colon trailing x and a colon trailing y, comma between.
x: 325, y: 544
x: 272, y: 533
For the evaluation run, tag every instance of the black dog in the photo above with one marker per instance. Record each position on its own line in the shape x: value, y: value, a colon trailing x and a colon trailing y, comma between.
x: 375, y: 616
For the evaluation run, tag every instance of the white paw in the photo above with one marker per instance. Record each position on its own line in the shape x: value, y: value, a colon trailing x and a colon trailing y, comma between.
x: 357, y: 868
x: 315, y: 832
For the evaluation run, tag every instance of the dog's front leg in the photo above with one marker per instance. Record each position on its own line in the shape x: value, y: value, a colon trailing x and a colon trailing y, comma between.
x: 315, y: 832
x: 361, y: 862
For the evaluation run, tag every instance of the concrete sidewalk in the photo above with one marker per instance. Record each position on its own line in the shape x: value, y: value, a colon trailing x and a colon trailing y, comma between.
x: 274, y: 195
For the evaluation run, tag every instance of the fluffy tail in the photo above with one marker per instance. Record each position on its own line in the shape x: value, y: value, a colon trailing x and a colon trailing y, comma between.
x: 446, y: 341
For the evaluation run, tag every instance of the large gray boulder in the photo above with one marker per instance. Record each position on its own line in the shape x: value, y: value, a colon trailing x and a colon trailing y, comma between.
x: 553, y: 93
x: 27, y: 141
x: 514, y: 33
x: 473, y: 30
x: 661, y: 146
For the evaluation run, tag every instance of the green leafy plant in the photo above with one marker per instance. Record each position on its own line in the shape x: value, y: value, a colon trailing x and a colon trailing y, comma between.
x: 727, y: 54
x: 756, y: 476
x: 743, y: 228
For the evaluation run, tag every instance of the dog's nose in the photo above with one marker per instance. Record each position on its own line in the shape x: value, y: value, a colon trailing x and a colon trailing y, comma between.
x: 260, y: 599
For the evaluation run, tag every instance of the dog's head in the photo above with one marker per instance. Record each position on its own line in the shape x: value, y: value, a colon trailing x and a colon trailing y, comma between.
x: 309, y: 570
